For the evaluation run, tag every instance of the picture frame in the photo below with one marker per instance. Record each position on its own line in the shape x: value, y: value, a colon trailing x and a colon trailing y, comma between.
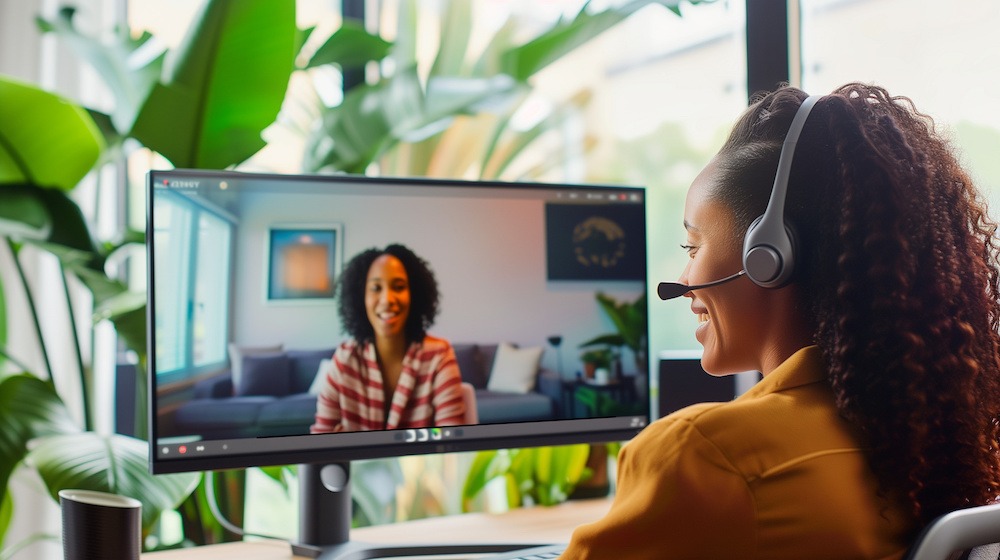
x: 302, y: 262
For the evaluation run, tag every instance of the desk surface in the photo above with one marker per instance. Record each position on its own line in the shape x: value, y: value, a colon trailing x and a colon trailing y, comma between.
x: 539, y: 524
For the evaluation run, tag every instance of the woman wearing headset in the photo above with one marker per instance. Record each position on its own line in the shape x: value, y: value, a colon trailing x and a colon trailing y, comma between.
x: 879, y: 406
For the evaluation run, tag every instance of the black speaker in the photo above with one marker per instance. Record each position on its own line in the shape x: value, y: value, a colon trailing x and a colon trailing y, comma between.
x: 100, y: 526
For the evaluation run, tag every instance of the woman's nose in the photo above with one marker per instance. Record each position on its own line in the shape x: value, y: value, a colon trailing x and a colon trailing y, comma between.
x: 683, y: 278
x: 387, y: 297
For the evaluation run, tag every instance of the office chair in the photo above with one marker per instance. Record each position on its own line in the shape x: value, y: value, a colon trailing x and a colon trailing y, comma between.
x: 976, y: 528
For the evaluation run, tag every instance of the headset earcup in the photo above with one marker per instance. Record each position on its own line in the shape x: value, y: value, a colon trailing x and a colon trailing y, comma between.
x: 769, y: 253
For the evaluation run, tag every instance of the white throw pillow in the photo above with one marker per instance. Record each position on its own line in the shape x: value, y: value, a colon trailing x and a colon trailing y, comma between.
x: 236, y: 353
x: 325, y: 365
x: 514, y: 369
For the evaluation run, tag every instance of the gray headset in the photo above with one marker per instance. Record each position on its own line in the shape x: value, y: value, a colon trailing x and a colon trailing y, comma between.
x: 769, y: 244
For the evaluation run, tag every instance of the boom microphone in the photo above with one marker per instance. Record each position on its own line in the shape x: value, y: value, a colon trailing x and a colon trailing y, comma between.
x: 671, y: 290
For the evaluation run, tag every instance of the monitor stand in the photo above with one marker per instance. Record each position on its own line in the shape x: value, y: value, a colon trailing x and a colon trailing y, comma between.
x: 325, y: 522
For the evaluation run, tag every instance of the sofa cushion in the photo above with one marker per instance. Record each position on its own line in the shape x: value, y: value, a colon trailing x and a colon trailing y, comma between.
x: 265, y: 374
x: 514, y: 369
x: 293, y: 410
x: 324, y: 369
x: 304, y: 365
x: 212, y: 414
x: 495, y: 408
x: 470, y: 364
x: 236, y: 354
x: 487, y: 354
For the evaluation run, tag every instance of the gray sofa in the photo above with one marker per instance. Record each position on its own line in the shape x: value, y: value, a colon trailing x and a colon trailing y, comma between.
x: 543, y: 402
x: 273, y: 398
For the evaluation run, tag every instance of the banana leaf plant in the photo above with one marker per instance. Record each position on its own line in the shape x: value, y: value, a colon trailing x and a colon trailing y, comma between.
x: 47, y: 145
x: 456, y: 120
x: 203, y: 104
x: 543, y: 475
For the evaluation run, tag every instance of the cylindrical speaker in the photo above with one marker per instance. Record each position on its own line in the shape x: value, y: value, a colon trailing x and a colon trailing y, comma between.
x: 98, y: 525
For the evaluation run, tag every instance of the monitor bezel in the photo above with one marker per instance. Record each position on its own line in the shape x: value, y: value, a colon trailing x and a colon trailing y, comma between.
x: 159, y: 465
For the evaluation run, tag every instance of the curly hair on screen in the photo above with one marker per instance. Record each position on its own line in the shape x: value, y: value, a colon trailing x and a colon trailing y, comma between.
x: 424, y: 295
x: 898, y: 265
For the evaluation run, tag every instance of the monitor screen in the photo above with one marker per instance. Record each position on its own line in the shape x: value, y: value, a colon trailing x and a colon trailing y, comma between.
x: 253, y: 361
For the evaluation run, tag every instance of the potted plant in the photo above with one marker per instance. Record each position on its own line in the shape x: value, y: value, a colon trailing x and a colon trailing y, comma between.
x: 594, y: 359
x: 630, y: 322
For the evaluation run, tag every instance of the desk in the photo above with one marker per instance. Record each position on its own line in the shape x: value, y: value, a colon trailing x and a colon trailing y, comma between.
x: 538, y: 524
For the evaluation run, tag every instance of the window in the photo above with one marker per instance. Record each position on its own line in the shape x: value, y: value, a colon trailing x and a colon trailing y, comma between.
x: 192, y: 309
x: 939, y: 54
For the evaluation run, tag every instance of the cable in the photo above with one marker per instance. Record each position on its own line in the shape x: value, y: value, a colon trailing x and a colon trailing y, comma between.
x: 213, y: 506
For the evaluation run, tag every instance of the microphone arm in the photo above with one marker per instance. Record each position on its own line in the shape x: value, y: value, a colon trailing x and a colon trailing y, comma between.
x: 671, y: 290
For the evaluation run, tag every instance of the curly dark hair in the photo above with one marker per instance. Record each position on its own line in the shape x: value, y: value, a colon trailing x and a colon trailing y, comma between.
x: 898, y: 265
x: 424, y: 295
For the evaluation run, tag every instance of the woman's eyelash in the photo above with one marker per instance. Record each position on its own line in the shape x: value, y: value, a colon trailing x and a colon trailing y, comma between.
x: 688, y: 248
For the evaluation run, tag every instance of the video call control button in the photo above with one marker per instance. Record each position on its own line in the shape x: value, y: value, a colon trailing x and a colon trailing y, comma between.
x: 411, y: 436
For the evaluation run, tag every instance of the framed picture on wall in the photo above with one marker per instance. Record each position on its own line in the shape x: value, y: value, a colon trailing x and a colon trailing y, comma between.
x: 303, y: 262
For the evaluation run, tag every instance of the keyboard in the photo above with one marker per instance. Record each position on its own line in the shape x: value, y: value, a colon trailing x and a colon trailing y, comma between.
x: 546, y: 552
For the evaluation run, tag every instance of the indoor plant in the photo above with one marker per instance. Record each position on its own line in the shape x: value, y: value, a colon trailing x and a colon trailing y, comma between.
x: 52, y: 145
x: 629, y: 318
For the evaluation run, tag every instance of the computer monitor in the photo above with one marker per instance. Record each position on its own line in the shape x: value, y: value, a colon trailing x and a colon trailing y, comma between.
x: 243, y: 317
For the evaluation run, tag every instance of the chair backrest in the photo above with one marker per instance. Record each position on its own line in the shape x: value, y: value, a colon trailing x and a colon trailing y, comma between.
x: 970, y: 528
x: 471, y: 410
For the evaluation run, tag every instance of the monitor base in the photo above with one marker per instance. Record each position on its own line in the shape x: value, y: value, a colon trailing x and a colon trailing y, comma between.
x: 325, y: 523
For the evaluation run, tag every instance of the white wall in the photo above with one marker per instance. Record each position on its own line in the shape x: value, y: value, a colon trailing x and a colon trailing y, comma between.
x: 488, y: 256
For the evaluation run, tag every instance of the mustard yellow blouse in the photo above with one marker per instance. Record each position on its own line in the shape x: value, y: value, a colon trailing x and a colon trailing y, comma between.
x: 774, y: 474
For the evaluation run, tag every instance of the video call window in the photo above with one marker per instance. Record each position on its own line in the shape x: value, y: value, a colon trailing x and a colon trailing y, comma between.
x: 246, y: 326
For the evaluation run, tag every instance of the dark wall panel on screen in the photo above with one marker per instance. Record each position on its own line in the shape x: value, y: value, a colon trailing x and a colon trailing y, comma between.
x: 595, y: 242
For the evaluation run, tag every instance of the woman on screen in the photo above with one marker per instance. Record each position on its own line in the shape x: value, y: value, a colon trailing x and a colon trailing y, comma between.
x: 879, y: 404
x: 390, y: 374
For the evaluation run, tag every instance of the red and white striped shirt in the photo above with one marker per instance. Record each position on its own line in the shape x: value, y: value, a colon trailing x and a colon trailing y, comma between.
x: 428, y: 393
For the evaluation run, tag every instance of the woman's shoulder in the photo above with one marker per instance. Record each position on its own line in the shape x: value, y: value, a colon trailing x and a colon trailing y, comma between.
x: 349, y: 348
x: 434, y: 344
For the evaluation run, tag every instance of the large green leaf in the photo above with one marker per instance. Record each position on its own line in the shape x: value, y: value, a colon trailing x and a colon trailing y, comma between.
x: 115, y: 464
x: 373, y: 490
x: 129, y: 66
x: 223, y: 85
x: 520, y: 142
x: 6, y: 513
x: 404, y: 50
x: 456, y: 25
x: 502, y: 41
x: 45, y: 139
x: 23, y: 213
x: 350, y: 46
x: 374, y: 118
x: 486, y: 466
x: 29, y: 408
x: 3, y: 325
x: 130, y: 323
x: 114, y: 141
x: 69, y: 227
x: 524, y: 61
